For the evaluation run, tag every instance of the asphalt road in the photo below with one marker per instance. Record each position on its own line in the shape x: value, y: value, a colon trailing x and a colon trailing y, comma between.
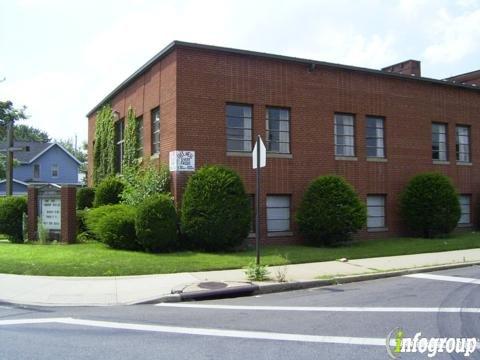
x: 348, y: 321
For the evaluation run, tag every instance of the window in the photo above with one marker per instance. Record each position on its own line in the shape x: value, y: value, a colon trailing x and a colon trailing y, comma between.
x: 465, y: 206
x: 375, y: 211
x: 119, y: 144
x: 344, y: 135
x: 239, y: 127
x: 439, y: 142
x: 155, y: 131
x: 278, y: 213
x: 251, y: 198
x: 375, y: 137
x: 278, y: 130
x: 54, y: 171
x: 463, y: 143
x: 36, y: 171
x: 140, y: 136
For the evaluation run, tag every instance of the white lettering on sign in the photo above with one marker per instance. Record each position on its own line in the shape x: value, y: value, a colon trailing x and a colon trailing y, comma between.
x: 51, y: 213
x: 182, y: 160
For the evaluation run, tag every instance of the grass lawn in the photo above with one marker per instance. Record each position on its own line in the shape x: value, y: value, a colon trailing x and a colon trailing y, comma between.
x: 95, y: 259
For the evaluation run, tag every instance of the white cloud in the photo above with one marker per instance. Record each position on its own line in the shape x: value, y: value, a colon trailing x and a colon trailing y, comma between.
x: 453, y: 37
x: 53, y: 101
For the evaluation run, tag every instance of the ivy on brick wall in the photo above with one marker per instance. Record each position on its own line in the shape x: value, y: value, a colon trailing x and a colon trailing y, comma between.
x: 104, y: 150
x: 131, y: 141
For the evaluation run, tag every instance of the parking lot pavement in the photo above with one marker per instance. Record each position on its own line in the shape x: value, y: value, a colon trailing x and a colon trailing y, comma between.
x: 348, y: 321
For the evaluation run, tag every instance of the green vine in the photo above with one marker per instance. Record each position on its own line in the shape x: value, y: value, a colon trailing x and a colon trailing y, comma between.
x: 104, y: 150
x: 131, y: 141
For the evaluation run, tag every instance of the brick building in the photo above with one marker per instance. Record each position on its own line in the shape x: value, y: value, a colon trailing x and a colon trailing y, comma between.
x: 377, y: 128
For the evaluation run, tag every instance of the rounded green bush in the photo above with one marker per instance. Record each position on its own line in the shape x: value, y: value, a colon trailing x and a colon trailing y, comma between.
x: 117, y: 229
x: 108, y: 192
x: 156, y: 224
x: 429, y: 205
x: 92, y: 217
x: 85, y: 198
x: 215, y: 212
x: 12, y: 209
x: 330, y: 211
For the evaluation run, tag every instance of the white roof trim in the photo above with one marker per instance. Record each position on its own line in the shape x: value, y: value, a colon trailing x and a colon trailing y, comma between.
x: 14, y: 180
x: 49, y: 147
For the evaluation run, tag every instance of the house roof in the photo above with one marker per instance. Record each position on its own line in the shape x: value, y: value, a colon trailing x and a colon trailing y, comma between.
x: 169, y: 48
x: 466, y: 76
x: 36, y: 149
x: 15, y: 181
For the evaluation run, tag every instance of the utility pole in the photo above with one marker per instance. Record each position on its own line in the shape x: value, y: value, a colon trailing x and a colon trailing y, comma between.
x: 9, y: 167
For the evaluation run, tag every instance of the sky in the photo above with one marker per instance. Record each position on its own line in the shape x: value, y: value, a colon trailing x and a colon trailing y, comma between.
x: 59, y: 58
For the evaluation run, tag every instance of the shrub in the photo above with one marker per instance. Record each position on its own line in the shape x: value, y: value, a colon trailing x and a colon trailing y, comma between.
x: 81, y: 226
x: 108, y: 192
x: 92, y: 217
x: 330, y: 211
x: 85, y: 197
x: 12, y: 209
x: 156, y: 224
x: 215, y: 212
x: 429, y: 205
x: 117, y: 229
x: 145, y: 182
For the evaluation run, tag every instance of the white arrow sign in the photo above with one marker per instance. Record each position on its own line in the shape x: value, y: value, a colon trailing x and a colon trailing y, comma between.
x: 263, y: 154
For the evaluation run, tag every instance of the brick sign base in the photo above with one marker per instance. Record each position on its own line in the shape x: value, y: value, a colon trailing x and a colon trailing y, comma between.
x: 68, y: 226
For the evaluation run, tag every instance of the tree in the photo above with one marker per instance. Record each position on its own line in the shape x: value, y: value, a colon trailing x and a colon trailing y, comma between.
x: 104, y: 149
x: 131, y: 141
x: 330, y: 211
x: 429, y: 205
x: 79, y: 153
x: 215, y: 209
x: 29, y: 133
x: 9, y: 113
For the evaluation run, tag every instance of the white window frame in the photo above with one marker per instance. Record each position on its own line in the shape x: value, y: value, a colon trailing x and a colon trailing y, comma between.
x: 39, y: 173
x: 442, y: 153
x: 462, y: 146
x: 245, y: 131
x: 346, y: 132
x: 283, y: 142
x: 57, y: 168
x: 466, y: 209
x: 379, y: 137
x: 155, y: 134
x: 274, y: 214
x: 376, y: 209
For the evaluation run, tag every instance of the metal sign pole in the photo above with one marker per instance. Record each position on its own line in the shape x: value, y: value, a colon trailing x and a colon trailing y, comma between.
x: 257, y: 205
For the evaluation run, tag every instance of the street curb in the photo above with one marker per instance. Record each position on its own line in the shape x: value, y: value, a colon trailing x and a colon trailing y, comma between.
x: 299, y: 285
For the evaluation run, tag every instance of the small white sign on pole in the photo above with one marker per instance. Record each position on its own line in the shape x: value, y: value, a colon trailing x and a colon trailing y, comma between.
x: 182, y: 160
x: 263, y: 154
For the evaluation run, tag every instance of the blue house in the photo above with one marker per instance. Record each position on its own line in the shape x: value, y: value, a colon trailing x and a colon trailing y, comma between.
x: 42, y: 163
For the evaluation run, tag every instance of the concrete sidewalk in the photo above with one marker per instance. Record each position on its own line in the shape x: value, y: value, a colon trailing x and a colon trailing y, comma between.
x: 125, y: 290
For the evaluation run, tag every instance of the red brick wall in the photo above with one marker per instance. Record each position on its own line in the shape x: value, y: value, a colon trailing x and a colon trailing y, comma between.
x: 208, y: 79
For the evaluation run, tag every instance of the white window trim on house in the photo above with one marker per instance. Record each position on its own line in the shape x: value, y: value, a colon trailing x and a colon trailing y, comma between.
x: 57, y: 169
x: 39, y: 171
